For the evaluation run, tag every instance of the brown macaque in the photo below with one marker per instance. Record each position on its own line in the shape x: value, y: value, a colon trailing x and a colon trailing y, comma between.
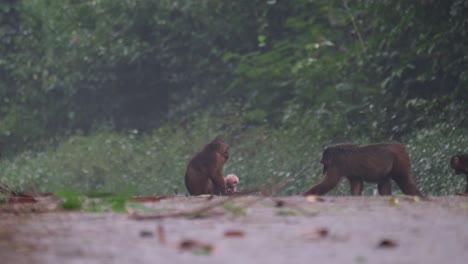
x: 378, y: 163
x: 460, y: 164
x: 231, y: 181
x: 204, y: 173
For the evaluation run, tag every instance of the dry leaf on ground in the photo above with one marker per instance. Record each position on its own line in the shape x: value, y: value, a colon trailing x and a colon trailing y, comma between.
x: 387, y: 243
x: 196, y: 247
x: 316, y: 234
x: 234, y: 233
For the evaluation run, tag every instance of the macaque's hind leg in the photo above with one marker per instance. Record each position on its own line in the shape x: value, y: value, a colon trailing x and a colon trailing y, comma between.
x: 356, y: 186
x: 385, y: 187
x: 407, y: 185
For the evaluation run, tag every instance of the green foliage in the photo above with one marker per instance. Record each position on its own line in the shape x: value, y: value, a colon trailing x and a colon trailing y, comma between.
x: 73, y: 199
x: 234, y: 209
x: 95, y: 202
x: 420, y: 64
x: 288, y: 212
x: 116, y: 95
x: 105, y: 202
x: 377, y: 63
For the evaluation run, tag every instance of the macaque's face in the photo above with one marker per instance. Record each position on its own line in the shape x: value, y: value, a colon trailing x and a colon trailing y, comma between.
x: 455, y: 164
x: 326, y: 159
x: 220, y: 148
x: 224, y: 151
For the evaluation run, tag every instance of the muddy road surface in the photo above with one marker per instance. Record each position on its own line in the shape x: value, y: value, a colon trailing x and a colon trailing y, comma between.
x: 246, y: 230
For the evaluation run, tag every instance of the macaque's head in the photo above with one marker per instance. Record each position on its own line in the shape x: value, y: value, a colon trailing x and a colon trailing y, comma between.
x: 231, y: 181
x: 326, y: 160
x: 455, y: 163
x: 219, y: 147
x: 326, y: 157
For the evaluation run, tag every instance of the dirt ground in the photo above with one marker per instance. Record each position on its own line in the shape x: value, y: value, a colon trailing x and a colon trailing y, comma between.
x: 262, y: 230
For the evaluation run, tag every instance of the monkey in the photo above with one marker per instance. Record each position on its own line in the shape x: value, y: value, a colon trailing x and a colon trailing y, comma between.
x: 378, y: 163
x: 460, y: 164
x: 204, y: 173
x: 231, y: 181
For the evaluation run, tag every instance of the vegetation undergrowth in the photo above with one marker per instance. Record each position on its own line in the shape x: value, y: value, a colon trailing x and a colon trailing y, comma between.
x: 93, y: 202
x: 155, y: 163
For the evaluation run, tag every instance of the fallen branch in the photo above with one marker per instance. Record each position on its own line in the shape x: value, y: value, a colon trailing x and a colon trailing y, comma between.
x: 8, y: 191
x: 190, y: 213
x: 146, y: 199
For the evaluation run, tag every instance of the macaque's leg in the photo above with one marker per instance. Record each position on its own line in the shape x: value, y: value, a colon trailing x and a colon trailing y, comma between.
x: 466, y: 189
x: 356, y: 186
x: 330, y: 180
x: 219, y: 183
x: 407, y: 185
x: 385, y: 187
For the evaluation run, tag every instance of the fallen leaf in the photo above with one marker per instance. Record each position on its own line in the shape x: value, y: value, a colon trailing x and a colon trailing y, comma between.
x: 411, y: 198
x: 161, y: 234
x: 196, y: 247
x: 387, y: 243
x: 361, y: 259
x: 393, y: 201
x: 145, y: 199
x: 145, y: 233
x: 315, y: 234
x: 289, y: 212
x: 209, y: 196
x: 279, y: 203
x: 205, y: 214
x: 25, y: 246
x: 314, y: 198
x: 234, y: 233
